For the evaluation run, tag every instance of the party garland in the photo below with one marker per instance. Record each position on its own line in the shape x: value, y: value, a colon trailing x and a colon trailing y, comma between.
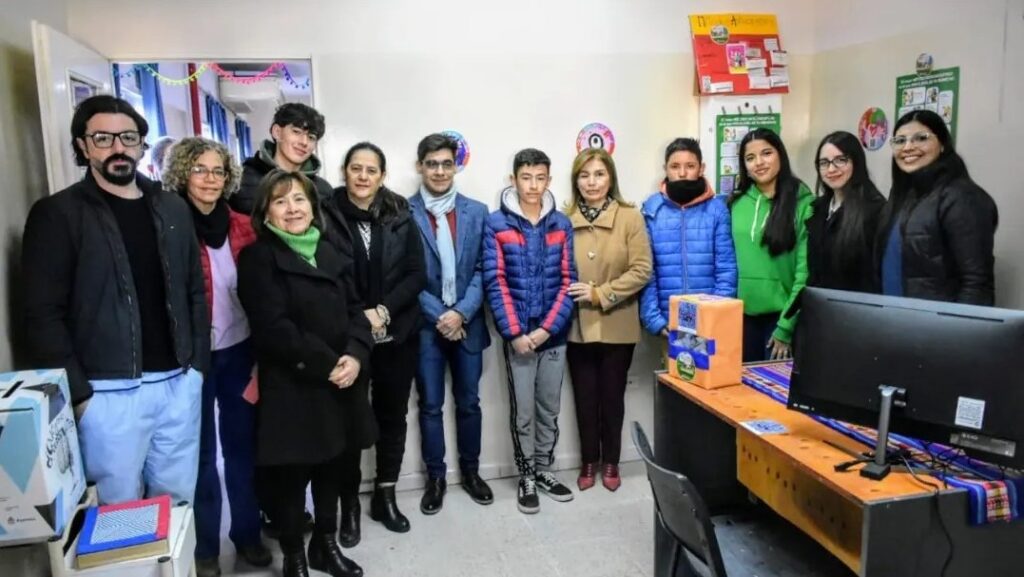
x: 291, y: 80
x: 229, y: 76
x: 245, y: 79
x: 174, y: 81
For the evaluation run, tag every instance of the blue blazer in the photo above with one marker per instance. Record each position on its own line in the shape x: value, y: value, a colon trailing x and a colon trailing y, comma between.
x: 470, y: 216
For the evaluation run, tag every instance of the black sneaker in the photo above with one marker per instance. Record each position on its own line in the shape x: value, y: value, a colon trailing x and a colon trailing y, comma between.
x: 528, y: 501
x: 549, y: 484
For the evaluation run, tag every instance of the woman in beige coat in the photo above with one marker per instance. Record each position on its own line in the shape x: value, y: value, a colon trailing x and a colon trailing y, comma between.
x: 613, y: 258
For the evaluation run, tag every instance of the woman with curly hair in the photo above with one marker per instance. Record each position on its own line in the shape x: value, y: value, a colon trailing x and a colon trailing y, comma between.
x: 205, y: 174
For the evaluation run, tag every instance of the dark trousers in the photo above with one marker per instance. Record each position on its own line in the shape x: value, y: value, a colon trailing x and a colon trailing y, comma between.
x: 757, y: 330
x: 289, y: 497
x: 229, y: 373
x: 598, y: 372
x: 392, y: 367
x: 437, y: 354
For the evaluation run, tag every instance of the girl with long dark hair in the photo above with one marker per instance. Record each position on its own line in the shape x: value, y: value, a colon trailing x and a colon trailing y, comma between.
x: 938, y: 227
x: 769, y: 208
x: 841, y: 232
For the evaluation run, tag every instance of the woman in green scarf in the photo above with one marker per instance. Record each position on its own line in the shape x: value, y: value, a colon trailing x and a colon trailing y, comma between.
x: 312, y: 343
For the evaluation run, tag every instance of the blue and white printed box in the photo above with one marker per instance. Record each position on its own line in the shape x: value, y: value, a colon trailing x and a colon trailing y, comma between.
x: 41, y: 474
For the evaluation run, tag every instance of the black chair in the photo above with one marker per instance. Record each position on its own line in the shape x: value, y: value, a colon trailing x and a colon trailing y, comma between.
x: 682, y: 513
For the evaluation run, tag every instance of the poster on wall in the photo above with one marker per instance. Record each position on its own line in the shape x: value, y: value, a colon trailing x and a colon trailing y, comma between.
x: 739, y: 54
x: 730, y: 130
x: 938, y: 91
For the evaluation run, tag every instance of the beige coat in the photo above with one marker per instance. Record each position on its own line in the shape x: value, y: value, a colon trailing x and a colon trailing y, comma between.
x: 613, y: 255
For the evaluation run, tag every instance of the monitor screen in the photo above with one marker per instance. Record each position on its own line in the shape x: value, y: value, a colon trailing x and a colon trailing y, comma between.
x: 962, y: 368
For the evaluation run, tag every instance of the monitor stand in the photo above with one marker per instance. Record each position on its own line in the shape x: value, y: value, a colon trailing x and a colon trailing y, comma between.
x: 878, y: 468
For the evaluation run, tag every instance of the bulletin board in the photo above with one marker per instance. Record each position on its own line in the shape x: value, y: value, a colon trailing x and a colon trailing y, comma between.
x: 739, y: 54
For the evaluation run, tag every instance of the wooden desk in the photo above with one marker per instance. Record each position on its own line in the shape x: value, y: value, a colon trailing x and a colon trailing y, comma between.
x: 877, y: 528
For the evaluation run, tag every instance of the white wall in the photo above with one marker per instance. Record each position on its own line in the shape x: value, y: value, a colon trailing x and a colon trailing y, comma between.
x: 24, y: 180
x: 506, y: 76
x: 532, y: 73
x: 986, y: 40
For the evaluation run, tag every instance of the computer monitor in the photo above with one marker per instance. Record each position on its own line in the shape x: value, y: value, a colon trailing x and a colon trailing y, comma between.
x: 960, y: 369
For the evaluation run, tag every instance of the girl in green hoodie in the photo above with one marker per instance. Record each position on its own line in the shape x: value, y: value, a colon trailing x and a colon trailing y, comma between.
x: 770, y: 208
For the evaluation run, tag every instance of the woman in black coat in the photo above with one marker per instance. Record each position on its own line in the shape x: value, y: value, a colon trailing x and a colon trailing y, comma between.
x: 938, y: 227
x: 311, y: 340
x: 841, y: 231
x: 389, y: 270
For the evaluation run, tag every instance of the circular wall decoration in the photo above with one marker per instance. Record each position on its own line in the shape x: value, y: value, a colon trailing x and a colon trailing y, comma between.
x: 596, y: 135
x: 873, y: 128
x: 462, y: 155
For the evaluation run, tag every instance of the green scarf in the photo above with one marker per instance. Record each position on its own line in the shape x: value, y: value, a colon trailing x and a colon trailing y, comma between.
x: 303, y: 244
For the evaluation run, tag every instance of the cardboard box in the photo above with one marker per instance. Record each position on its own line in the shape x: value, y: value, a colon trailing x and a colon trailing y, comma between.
x: 41, y: 474
x: 705, y: 340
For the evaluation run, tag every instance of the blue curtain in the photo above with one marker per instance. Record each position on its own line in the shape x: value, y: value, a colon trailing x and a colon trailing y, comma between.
x: 152, y: 102
x: 244, y: 139
x: 117, y: 79
x: 217, y: 118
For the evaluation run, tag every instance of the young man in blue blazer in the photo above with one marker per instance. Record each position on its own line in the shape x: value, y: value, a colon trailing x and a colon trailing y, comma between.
x: 454, y: 333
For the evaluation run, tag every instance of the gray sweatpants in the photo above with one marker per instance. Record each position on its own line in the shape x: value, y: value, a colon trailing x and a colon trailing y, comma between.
x: 535, y: 395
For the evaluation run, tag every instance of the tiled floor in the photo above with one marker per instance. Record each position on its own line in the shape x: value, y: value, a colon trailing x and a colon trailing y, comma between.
x: 598, y: 534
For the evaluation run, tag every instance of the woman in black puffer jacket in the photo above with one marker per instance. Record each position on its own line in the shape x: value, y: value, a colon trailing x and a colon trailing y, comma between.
x: 938, y: 227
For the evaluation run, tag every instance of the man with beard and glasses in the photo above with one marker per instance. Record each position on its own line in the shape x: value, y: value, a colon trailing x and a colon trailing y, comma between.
x: 114, y: 294
x: 691, y: 237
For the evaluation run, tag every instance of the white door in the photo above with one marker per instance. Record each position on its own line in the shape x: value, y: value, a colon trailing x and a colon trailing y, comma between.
x: 67, y: 72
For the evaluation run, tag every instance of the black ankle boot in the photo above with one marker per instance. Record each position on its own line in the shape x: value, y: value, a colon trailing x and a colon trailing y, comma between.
x: 326, y: 556
x: 349, y: 534
x: 295, y: 565
x: 383, y: 508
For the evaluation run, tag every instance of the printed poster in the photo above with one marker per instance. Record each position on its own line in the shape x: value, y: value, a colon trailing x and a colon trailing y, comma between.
x: 730, y: 130
x: 739, y: 54
x: 938, y: 91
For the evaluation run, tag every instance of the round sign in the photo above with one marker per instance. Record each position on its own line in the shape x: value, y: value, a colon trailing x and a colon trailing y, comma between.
x: 925, y: 63
x: 719, y: 34
x: 873, y: 128
x: 462, y: 154
x: 596, y: 135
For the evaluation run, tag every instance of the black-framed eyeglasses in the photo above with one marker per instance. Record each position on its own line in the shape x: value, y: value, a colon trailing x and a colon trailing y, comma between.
x: 916, y: 139
x: 840, y: 162
x: 106, y: 139
x: 202, y: 172
x: 446, y: 165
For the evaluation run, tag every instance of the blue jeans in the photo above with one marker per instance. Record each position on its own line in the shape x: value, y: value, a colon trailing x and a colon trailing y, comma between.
x: 436, y: 355
x: 140, y: 437
x: 230, y: 371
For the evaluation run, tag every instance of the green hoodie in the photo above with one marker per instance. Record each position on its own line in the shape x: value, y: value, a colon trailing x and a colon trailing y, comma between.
x: 769, y: 284
x: 269, y: 148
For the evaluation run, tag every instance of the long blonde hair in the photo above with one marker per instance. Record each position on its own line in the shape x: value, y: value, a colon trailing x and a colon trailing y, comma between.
x: 585, y: 156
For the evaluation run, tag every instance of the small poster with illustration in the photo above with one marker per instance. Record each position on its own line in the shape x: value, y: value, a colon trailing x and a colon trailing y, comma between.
x: 937, y: 91
x: 731, y: 128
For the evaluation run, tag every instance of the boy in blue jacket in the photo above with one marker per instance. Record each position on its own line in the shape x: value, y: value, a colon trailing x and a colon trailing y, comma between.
x: 528, y: 267
x: 691, y: 237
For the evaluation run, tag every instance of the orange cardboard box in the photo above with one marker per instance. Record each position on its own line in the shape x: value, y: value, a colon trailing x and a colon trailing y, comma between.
x: 705, y: 340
